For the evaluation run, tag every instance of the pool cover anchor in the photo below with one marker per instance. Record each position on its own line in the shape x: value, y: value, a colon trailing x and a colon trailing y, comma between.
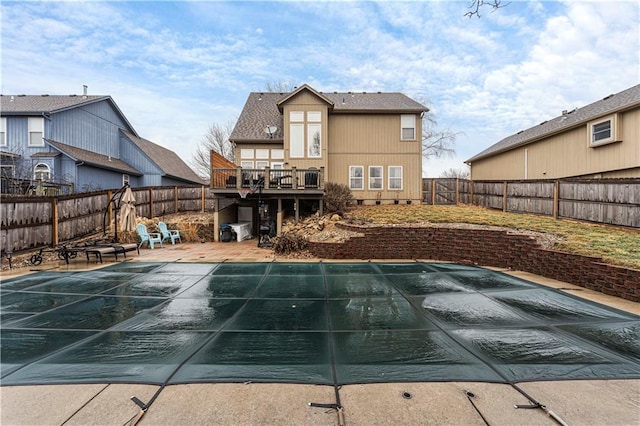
x: 336, y: 407
x: 470, y: 395
x: 544, y: 408
x: 143, y: 409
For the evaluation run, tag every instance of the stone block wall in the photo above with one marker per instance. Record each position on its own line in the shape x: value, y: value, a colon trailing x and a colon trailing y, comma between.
x: 485, y: 247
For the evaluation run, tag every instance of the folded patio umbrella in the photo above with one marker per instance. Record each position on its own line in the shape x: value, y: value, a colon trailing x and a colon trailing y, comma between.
x: 128, y: 211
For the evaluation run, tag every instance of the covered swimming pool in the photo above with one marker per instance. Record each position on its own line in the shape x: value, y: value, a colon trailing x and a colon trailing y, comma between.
x: 321, y: 323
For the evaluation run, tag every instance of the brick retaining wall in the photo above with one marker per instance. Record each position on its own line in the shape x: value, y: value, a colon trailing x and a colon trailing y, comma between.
x: 483, y: 247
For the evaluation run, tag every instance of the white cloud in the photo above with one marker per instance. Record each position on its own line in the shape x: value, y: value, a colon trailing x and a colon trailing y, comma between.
x: 174, y: 68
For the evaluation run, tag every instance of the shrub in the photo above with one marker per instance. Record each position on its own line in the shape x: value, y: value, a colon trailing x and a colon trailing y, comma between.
x: 337, y: 196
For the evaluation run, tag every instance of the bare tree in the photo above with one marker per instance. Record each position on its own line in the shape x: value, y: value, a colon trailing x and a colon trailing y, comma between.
x: 280, y: 86
x: 436, y: 143
x: 216, y: 139
x: 462, y: 173
x: 477, y: 5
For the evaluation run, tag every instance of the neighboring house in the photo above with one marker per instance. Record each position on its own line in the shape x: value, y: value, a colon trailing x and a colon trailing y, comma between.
x: 290, y: 144
x: 600, y: 140
x: 81, y: 142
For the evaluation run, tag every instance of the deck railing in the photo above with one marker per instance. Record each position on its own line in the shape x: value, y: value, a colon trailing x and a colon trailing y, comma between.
x: 267, y: 178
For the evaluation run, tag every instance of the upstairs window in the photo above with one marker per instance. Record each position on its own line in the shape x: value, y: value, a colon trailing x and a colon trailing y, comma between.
x: 375, y: 177
x: 356, y: 177
x: 408, y: 125
x: 36, y: 131
x: 125, y: 179
x: 3, y: 131
x: 314, y: 142
x: 603, y: 131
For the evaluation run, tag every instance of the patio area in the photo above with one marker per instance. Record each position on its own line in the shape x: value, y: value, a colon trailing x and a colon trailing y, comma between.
x: 401, y: 400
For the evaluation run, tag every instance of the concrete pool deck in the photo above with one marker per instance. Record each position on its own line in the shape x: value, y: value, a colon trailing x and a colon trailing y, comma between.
x: 585, y: 402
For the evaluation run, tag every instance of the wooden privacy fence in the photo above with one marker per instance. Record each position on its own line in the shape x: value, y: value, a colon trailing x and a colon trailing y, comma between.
x: 31, y: 222
x: 609, y: 201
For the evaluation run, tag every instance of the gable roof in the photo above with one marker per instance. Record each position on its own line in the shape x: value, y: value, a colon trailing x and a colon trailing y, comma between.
x: 621, y: 101
x: 91, y: 158
x: 263, y: 109
x: 51, y: 104
x: 167, y: 160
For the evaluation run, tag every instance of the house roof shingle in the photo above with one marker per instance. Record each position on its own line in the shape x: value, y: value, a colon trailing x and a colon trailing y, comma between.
x: 41, y: 104
x: 93, y: 159
x: 167, y: 160
x: 261, y: 110
x: 37, y: 104
x: 617, y: 102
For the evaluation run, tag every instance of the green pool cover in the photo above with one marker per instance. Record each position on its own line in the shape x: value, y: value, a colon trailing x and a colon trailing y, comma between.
x: 323, y: 323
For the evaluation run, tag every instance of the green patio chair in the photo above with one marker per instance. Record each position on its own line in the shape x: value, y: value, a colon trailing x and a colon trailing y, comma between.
x: 169, y: 234
x: 148, y: 237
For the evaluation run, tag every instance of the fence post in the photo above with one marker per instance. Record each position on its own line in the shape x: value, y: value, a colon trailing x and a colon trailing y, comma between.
x: 109, y: 210
x: 471, y: 193
x: 202, y: 200
x: 150, y: 203
x: 457, y: 191
x: 433, y: 192
x: 55, y: 237
x: 556, y: 198
x: 504, y: 196
x: 175, y: 199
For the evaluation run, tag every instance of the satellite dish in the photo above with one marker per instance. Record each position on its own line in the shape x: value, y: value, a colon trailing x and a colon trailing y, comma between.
x: 270, y: 130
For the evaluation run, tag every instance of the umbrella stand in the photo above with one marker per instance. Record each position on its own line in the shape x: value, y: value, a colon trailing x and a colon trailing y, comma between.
x: 116, y: 209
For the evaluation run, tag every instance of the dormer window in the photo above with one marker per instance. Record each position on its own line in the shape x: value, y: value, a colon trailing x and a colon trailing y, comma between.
x: 603, y: 131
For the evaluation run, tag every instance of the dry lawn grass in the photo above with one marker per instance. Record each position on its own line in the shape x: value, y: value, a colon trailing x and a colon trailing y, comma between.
x: 615, y: 245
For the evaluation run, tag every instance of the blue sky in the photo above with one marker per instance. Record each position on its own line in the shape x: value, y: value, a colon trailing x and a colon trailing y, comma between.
x: 175, y: 68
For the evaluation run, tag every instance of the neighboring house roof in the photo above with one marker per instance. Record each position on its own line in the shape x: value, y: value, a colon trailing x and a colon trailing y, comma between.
x: 167, y: 160
x: 262, y: 109
x: 621, y: 101
x: 49, y: 104
x: 92, y: 159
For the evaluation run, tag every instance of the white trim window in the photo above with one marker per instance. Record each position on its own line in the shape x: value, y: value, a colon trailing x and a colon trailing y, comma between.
x: 42, y: 172
x: 376, y: 177
x: 125, y: 179
x: 314, y: 116
x: 246, y: 153
x: 296, y: 140
x: 262, y: 164
x: 277, y: 154
x: 314, y: 142
x: 262, y: 154
x: 246, y: 164
x: 356, y: 177
x: 296, y: 116
x: 603, y: 131
x: 408, y: 127
x: 3, y: 131
x: 395, y: 178
x: 36, y: 131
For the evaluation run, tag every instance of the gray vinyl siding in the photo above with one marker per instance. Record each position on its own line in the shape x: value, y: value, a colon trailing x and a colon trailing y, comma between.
x: 93, y: 127
x: 93, y: 179
x: 136, y: 158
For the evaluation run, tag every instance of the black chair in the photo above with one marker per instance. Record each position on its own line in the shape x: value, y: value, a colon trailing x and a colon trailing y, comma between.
x: 311, y: 178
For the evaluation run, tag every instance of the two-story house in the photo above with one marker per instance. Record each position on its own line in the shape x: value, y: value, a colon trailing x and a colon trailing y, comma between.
x: 289, y: 144
x: 82, y: 143
x: 600, y: 140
